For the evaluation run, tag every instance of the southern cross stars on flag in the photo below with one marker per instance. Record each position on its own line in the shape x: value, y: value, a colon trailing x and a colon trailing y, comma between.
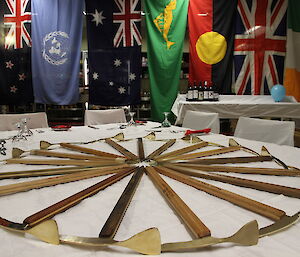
x: 17, y: 31
x: 15, y: 49
x: 114, y: 51
x: 16, y: 21
x: 9, y: 65
x: 260, y: 45
x: 117, y: 63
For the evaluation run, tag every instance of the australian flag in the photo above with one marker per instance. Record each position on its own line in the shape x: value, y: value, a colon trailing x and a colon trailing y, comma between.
x: 114, y: 51
x: 260, y: 46
x: 15, y: 52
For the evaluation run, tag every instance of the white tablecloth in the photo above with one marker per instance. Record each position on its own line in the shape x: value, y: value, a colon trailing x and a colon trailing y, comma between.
x: 235, y: 106
x: 148, y: 208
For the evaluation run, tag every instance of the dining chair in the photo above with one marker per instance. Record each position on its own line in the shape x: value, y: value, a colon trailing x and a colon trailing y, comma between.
x: 97, y: 117
x: 33, y: 120
x: 201, y: 120
x: 270, y: 131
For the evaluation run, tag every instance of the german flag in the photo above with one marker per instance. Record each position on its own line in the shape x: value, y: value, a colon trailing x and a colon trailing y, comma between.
x: 211, y: 35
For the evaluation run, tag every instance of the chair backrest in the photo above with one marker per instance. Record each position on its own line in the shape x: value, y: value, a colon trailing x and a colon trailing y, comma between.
x: 270, y: 131
x: 33, y: 120
x: 202, y: 120
x: 97, y: 117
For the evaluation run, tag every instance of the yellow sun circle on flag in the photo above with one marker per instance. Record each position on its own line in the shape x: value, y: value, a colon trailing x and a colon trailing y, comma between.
x: 211, y: 47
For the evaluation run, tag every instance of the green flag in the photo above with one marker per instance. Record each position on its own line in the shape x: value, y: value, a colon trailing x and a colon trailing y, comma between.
x: 166, y: 26
x: 292, y: 59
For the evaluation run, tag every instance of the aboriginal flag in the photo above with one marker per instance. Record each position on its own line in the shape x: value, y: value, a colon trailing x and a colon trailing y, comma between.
x: 15, y: 52
x: 211, y: 34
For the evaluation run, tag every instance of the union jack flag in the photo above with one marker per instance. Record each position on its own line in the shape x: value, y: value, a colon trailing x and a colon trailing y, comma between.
x: 126, y: 18
x: 259, y: 45
x: 16, y: 21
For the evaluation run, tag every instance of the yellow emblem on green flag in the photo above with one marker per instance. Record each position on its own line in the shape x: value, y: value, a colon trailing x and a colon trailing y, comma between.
x: 166, y: 25
x: 163, y: 21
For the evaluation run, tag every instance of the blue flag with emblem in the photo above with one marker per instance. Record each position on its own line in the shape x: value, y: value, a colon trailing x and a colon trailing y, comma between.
x: 114, y: 51
x: 56, y: 39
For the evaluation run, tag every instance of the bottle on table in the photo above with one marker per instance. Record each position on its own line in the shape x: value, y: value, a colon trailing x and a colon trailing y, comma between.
x: 210, y: 93
x: 205, y: 91
x: 216, y: 93
x: 195, y: 92
x: 189, y: 95
x: 200, y: 92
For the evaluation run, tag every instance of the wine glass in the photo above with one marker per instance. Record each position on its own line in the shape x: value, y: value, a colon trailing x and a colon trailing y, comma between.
x: 25, y: 130
x: 19, y: 140
x: 166, y: 123
x: 131, y: 121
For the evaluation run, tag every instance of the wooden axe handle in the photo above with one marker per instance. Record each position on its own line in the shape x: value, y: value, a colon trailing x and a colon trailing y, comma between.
x: 62, y: 162
x: 45, y: 182
x: 245, y: 170
x: 141, y: 149
x: 196, y: 226
x: 72, y: 200
x: 88, y: 150
x: 201, y: 154
x: 244, y: 202
x: 121, y: 149
x: 225, y: 160
x: 161, y: 149
x: 114, y: 220
x: 264, y: 186
x: 182, y: 151
x: 68, y: 155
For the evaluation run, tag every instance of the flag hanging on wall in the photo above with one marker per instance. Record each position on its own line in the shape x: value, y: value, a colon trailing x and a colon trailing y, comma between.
x: 56, y: 44
x: 166, y: 26
x: 15, y: 52
x: 114, y: 51
x: 211, y: 34
x: 260, y: 46
x: 292, y: 61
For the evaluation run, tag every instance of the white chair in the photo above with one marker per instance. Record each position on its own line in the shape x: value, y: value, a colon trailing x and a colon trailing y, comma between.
x: 33, y: 120
x: 97, y: 117
x: 270, y: 131
x: 201, y: 120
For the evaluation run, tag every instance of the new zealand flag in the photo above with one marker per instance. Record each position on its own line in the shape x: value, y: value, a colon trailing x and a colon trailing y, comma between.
x: 15, y: 52
x: 114, y: 51
x: 259, y: 45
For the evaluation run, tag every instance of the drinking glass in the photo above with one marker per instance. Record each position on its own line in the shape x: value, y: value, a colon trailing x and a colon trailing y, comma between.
x: 19, y: 140
x: 25, y: 130
x: 131, y: 121
x: 166, y: 123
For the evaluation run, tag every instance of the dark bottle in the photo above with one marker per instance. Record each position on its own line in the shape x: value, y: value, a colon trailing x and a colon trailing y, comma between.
x: 189, y: 95
x: 216, y: 93
x: 210, y: 93
x: 195, y: 92
x: 205, y: 91
x: 200, y: 92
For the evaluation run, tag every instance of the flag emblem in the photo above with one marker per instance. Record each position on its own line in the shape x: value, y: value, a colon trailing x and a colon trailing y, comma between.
x: 259, y: 46
x: 16, y: 21
x: 55, y: 47
x: 164, y: 20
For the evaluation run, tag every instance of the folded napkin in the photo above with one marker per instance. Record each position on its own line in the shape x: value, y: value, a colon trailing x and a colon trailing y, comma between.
x: 189, y: 132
